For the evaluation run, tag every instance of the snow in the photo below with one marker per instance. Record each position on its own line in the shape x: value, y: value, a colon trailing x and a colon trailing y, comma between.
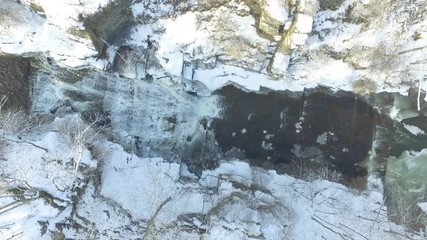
x: 236, y: 200
x: 138, y: 8
x: 22, y: 221
x: 277, y: 11
x: 32, y: 33
x: 330, y: 73
x: 281, y: 63
x: 175, y: 47
x: 414, y: 130
x: 182, y: 30
x: 170, y: 53
x: 139, y: 185
x: 322, y: 138
x: 304, y: 23
x: 318, y: 206
x: 30, y: 36
x: 140, y: 33
x: 423, y: 206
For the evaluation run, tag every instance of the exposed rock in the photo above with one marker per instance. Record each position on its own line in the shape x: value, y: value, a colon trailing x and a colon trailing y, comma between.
x: 109, y: 25
x: 270, y: 15
x: 330, y: 4
x: 79, y: 90
x: 14, y: 72
x: 135, y: 62
x: 364, y: 86
x: 272, y: 25
x: 209, y: 4
x: 292, y: 37
x: 148, y: 118
x: 157, y: 104
x: 153, y: 10
x: 237, y: 50
x: 11, y: 13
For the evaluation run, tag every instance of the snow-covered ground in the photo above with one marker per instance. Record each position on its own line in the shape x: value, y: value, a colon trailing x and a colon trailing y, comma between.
x: 25, y: 31
x: 114, y: 194
x: 362, y: 53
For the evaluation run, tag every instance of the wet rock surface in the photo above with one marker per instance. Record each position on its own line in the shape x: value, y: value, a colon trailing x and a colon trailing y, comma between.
x: 14, y: 72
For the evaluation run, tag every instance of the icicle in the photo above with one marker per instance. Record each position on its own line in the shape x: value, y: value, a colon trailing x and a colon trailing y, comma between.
x: 425, y: 79
x: 419, y: 95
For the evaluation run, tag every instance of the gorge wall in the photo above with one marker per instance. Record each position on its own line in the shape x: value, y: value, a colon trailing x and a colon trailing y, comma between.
x: 328, y: 83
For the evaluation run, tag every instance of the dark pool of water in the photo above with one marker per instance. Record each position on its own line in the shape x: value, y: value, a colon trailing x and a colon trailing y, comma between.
x: 281, y: 127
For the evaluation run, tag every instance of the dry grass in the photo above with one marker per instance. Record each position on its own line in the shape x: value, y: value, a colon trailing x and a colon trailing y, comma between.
x: 372, y: 15
x: 324, y: 173
x: 236, y: 49
x: 14, y: 122
x: 403, y: 208
x: 364, y: 86
x: 377, y: 59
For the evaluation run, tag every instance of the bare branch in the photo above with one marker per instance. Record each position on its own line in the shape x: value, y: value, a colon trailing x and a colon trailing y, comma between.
x: 323, y: 224
x: 27, y: 142
x: 150, y: 222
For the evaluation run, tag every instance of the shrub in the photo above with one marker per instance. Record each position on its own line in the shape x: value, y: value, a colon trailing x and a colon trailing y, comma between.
x: 79, y: 135
x: 14, y: 122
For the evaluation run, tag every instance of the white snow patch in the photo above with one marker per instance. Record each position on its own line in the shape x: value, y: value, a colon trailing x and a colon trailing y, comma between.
x: 280, y: 63
x: 277, y: 10
x: 237, y: 171
x: 414, y: 130
x: 304, y: 23
x: 299, y: 39
x: 23, y: 220
x: 423, y: 206
x: 143, y: 185
x: 138, y: 8
x: 323, y: 138
x: 179, y: 32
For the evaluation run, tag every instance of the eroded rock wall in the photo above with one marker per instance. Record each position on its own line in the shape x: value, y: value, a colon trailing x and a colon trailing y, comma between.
x: 14, y: 83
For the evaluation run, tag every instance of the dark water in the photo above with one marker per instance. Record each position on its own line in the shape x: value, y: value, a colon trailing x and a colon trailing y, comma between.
x: 280, y: 127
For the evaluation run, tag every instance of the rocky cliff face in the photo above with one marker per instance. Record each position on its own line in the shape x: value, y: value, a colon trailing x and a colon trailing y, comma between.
x: 14, y: 81
x: 339, y: 83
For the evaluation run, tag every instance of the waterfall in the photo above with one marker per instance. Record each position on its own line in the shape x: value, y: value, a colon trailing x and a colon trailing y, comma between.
x: 374, y: 181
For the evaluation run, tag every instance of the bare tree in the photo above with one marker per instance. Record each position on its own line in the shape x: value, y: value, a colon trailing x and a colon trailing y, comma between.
x: 79, y: 135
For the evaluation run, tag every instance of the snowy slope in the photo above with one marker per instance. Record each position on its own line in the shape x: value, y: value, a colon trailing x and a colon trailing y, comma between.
x: 161, y: 200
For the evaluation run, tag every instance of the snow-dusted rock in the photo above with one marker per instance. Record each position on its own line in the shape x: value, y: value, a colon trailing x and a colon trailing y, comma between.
x: 163, y: 104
